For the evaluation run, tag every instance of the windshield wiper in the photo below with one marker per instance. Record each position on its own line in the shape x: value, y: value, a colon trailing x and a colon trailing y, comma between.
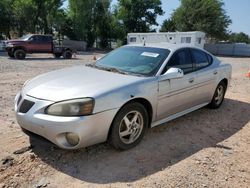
x: 110, y: 69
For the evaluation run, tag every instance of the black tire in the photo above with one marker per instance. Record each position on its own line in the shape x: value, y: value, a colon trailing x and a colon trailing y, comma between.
x: 67, y: 54
x: 218, y: 97
x: 19, y: 54
x: 119, y: 126
x: 11, y: 54
x: 57, y: 55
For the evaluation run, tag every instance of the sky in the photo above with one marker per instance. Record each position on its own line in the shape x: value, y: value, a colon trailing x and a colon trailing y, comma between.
x: 238, y: 10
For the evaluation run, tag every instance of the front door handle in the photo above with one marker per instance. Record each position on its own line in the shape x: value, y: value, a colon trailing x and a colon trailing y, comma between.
x: 191, y: 80
x: 215, y: 72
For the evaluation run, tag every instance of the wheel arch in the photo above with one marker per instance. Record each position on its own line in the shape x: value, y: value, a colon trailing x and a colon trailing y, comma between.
x: 225, y: 81
x: 67, y: 49
x: 19, y: 48
x: 143, y: 102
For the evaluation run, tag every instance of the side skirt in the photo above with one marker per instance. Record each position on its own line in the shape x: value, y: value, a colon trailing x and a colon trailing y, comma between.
x: 156, y: 123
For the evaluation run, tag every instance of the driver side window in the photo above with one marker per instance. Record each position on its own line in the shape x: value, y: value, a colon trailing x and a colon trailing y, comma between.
x: 182, y: 60
x: 34, y: 38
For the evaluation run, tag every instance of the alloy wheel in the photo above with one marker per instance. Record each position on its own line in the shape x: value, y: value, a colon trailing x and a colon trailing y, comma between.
x: 219, y: 95
x: 131, y: 127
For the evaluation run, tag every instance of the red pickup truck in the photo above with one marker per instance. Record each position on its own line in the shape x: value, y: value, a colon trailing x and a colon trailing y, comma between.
x: 34, y: 43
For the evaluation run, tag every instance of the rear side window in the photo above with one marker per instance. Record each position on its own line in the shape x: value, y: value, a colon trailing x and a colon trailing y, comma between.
x: 210, y: 58
x: 45, y: 38
x: 181, y: 59
x: 201, y: 59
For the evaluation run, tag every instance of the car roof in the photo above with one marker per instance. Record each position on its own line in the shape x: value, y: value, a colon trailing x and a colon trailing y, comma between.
x: 47, y: 35
x: 165, y: 45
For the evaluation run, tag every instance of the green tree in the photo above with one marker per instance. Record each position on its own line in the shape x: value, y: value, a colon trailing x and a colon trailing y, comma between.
x: 139, y: 15
x: 203, y: 15
x: 118, y: 32
x: 5, y: 17
x: 46, y: 10
x: 82, y: 15
x: 23, y: 13
x: 34, y: 16
x: 239, y: 38
x: 168, y: 26
x: 102, y: 23
x: 91, y: 20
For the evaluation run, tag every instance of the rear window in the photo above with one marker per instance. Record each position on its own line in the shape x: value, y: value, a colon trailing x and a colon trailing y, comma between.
x: 46, y: 38
x: 210, y: 58
x: 200, y: 58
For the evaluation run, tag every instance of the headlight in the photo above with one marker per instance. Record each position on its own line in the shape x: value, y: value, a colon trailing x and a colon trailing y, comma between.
x: 9, y: 45
x: 76, y: 107
x: 24, y: 84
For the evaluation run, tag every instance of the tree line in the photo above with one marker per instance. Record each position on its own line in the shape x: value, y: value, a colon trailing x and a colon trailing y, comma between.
x: 103, y: 22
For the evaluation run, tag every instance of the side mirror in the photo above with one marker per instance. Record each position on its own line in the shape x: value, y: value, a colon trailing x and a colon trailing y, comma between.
x: 172, y: 73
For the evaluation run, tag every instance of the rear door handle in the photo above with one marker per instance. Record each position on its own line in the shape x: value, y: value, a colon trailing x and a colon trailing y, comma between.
x: 215, y: 72
x: 191, y: 80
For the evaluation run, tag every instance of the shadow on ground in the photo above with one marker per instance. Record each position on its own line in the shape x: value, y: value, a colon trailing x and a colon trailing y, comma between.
x: 162, y: 146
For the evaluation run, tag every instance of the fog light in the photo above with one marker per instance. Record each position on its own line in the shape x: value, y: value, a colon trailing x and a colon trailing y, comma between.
x: 72, y: 139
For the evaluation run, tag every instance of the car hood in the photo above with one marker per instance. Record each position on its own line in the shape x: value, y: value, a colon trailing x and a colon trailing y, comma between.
x: 14, y: 41
x: 76, y: 82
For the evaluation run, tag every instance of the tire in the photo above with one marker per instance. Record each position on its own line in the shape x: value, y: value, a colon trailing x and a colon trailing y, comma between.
x: 218, y: 97
x: 129, y: 126
x: 67, y: 54
x: 11, y: 54
x: 19, y: 54
x: 57, y: 55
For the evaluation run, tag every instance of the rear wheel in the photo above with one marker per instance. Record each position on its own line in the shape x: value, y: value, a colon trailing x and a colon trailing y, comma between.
x: 218, y: 97
x: 11, y: 54
x: 129, y: 126
x: 67, y: 54
x: 19, y: 54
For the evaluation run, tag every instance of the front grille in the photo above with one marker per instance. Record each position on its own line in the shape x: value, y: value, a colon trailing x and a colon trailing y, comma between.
x: 26, y: 106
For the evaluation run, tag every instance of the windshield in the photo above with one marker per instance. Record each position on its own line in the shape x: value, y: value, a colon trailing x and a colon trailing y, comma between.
x: 135, y: 60
x: 25, y: 37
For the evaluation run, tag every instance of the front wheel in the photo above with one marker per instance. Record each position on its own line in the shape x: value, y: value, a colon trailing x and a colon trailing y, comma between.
x: 129, y: 126
x: 20, y: 54
x: 218, y: 97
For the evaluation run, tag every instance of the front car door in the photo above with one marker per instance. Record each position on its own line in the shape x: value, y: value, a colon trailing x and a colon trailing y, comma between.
x: 177, y: 95
x: 34, y: 44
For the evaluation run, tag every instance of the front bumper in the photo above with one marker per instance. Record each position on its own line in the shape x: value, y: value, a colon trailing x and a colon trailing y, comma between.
x: 90, y: 129
x: 8, y: 49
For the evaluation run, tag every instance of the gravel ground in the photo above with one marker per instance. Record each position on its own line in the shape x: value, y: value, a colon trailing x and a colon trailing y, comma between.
x: 206, y: 148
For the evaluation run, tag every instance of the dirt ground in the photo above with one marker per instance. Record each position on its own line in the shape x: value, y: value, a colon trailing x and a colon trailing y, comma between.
x: 206, y: 148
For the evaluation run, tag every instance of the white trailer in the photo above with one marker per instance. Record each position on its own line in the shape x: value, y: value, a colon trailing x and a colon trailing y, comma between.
x: 196, y: 38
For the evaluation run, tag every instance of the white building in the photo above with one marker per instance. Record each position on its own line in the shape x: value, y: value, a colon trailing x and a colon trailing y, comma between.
x: 196, y: 38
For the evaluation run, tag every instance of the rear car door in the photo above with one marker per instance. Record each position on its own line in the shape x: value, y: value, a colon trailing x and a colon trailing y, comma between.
x: 206, y: 75
x: 177, y: 95
x: 46, y: 44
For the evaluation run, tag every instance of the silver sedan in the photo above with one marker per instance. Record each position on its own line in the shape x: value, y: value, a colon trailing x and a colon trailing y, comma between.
x: 120, y: 96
